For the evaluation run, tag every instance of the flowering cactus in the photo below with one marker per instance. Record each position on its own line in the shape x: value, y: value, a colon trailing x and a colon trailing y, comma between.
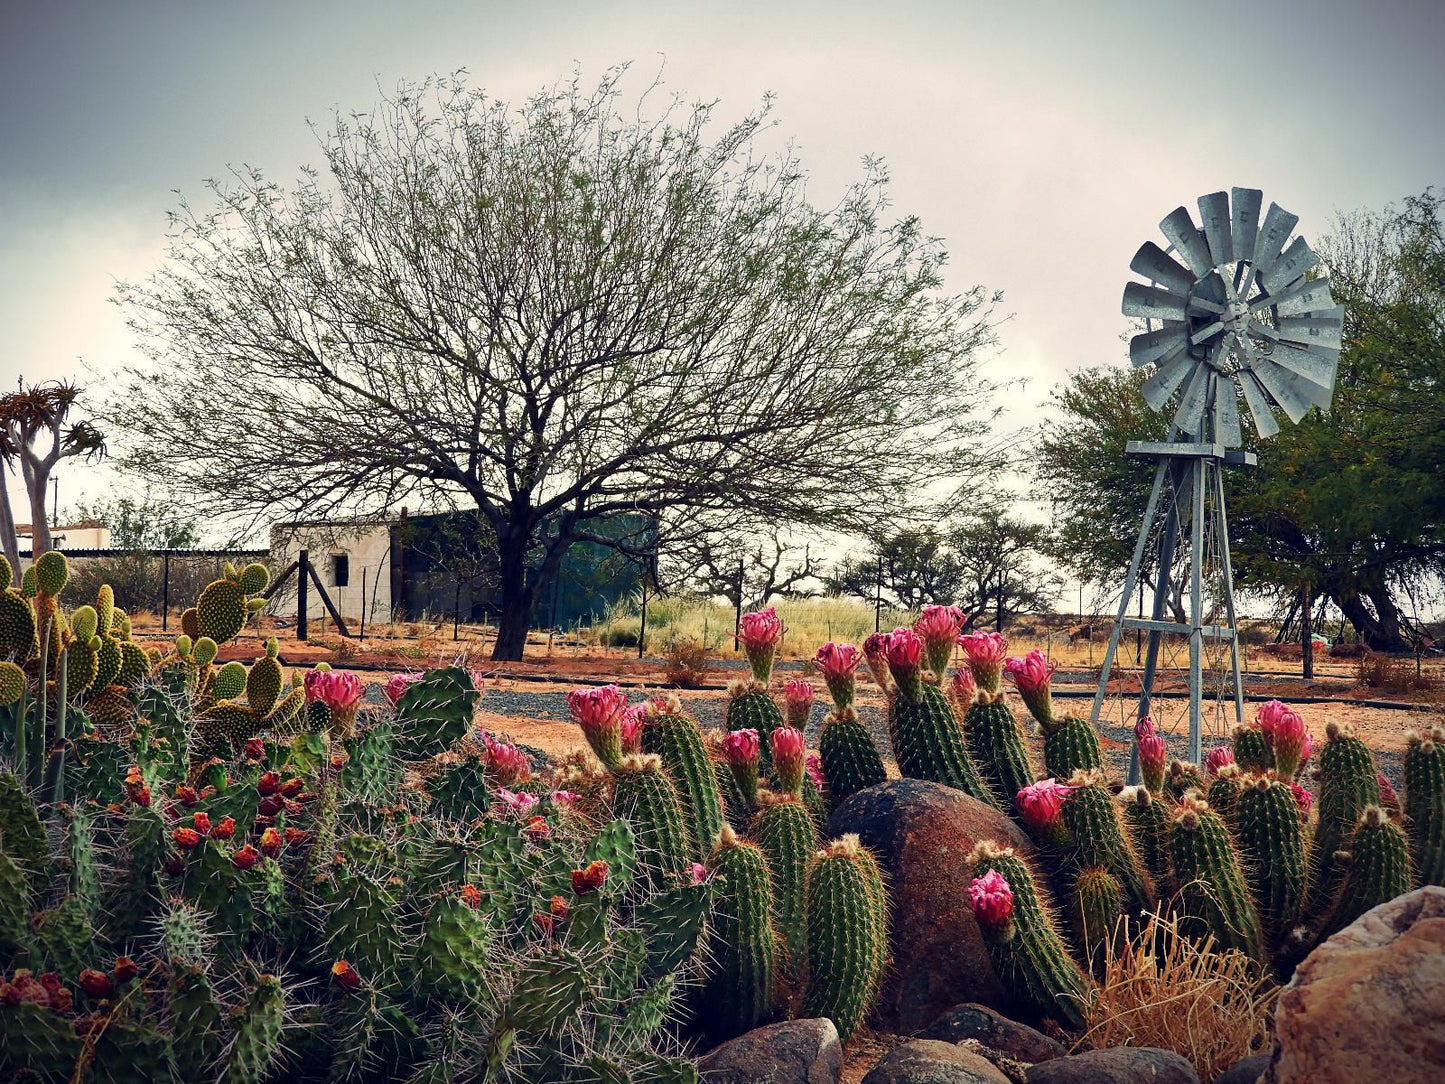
x: 1217, y: 758
x: 599, y: 713
x: 838, y: 663
x: 345, y: 976
x: 904, y: 651
x: 1289, y: 739
x: 789, y: 758
x: 1040, y: 805
x: 798, y: 702
x: 398, y: 684
x: 520, y: 804
x: 813, y: 765
x: 760, y: 632
x: 742, y: 749
x: 992, y: 901
x: 632, y: 720
x: 875, y: 653
x: 985, y: 651
x: 339, y: 690
x: 1152, y: 755
x: 1031, y: 675
x: 508, y: 764
x: 589, y: 880
x: 939, y: 626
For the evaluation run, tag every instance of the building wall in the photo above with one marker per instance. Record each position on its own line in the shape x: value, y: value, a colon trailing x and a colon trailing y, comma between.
x: 367, y: 548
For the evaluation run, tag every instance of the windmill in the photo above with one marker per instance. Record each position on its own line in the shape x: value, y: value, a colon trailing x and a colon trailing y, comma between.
x: 1233, y: 316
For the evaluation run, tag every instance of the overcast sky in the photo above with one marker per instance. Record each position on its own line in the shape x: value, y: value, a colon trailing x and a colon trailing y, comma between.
x: 1042, y: 141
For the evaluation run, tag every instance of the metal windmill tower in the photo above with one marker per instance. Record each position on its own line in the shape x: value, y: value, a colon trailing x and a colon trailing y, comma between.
x: 1242, y: 317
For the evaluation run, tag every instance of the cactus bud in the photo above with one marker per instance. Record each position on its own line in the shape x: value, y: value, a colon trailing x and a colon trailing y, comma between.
x: 939, y: 627
x: 789, y: 756
x: 798, y: 700
x: 633, y: 718
x: 1152, y: 755
x: 1031, y: 676
x: 599, y: 713
x: 875, y: 653
x: 589, y: 880
x: 1217, y: 758
x: 760, y: 632
x: 742, y: 750
x: 986, y: 652
x: 345, y: 977
x: 838, y: 663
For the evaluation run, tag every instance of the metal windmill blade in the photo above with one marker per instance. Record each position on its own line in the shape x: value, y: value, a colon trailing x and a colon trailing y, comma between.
x: 1245, y: 323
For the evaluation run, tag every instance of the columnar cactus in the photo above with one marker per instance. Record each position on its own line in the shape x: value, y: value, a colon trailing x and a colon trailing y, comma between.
x: 742, y: 941
x: 1272, y: 852
x: 1100, y: 839
x: 1097, y: 909
x: 644, y: 795
x: 1224, y: 791
x: 1377, y: 869
x: 851, y: 761
x: 926, y: 736
x: 673, y: 735
x: 788, y: 837
x: 847, y: 934
x: 1148, y: 821
x: 1212, y: 894
x: 996, y: 746
x: 1022, y: 937
x: 1348, y: 783
x: 751, y: 708
x: 1071, y: 744
x: 1424, y: 804
x: 1251, y: 749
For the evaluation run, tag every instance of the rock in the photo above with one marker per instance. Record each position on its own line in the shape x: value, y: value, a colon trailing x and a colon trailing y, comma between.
x: 922, y: 833
x: 793, y: 1052
x: 995, y: 1031
x: 1245, y: 1071
x: 1369, y: 1003
x: 1119, y: 1065
x: 929, y: 1061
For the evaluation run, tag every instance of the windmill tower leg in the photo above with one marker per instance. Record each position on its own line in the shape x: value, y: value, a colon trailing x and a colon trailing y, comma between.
x: 1196, y: 618
x: 1222, y: 527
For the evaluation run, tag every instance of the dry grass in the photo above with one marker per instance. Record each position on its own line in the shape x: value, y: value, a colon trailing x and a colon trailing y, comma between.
x: 1162, y: 989
x: 1393, y: 674
x: 686, y: 663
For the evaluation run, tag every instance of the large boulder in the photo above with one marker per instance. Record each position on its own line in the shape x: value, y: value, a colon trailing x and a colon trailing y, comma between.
x: 922, y: 833
x: 1118, y: 1065
x: 1245, y: 1071
x: 995, y: 1031
x: 929, y: 1061
x: 793, y: 1052
x: 1369, y: 1003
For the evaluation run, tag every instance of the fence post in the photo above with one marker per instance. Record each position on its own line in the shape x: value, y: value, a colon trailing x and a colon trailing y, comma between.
x: 165, y: 590
x: 457, y: 612
x: 361, y: 632
x: 303, y: 569
x: 878, y: 598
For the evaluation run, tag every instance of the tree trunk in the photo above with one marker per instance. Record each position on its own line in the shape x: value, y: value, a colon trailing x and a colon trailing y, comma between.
x: 8, y: 539
x: 37, y: 480
x: 1373, y: 633
x: 1307, y: 634
x: 517, y: 599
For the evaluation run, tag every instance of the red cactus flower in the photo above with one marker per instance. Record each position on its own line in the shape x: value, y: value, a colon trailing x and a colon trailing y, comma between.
x: 338, y: 690
x: 471, y: 895
x: 255, y: 749
x: 1152, y: 754
x: 186, y: 838
x: 963, y: 688
x: 1031, y: 675
x: 174, y: 865
x: 798, y: 701
x: 271, y: 842
x: 1388, y: 798
x: 1217, y: 758
x: 23, y: 989
x: 507, y: 764
x: 1040, y: 804
x: 519, y: 803
x: 545, y: 923
x: 591, y: 879
x: 537, y: 828
x: 558, y: 908
x: 269, y: 783
x: 187, y: 796
x: 345, y: 977
x: 992, y: 900
x: 270, y: 805
x: 293, y: 787
x: 125, y: 969
x: 696, y: 874
x: 599, y: 713
x: 201, y: 822
x: 938, y: 626
x: 1302, y: 798
x: 633, y: 719
x: 297, y: 837
x: 95, y: 984
x: 563, y: 798
x: 246, y: 857
x: 225, y: 829
x: 789, y: 757
x: 838, y: 663
x: 51, y: 981
x: 986, y: 652
x: 904, y: 651
x: 760, y: 632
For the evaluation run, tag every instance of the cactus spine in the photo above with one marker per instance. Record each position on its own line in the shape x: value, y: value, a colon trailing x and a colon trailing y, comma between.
x: 1224, y: 790
x: 1027, y: 951
x: 1424, y: 804
x: 929, y: 742
x: 675, y: 737
x: 743, y: 944
x: 751, y: 708
x: 1071, y: 745
x: 1347, y: 785
x: 1212, y: 893
x: 847, y: 934
x: 1272, y: 848
x: 1098, y: 906
x: 788, y: 837
x: 257, y: 1038
x: 1376, y: 871
x: 996, y: 747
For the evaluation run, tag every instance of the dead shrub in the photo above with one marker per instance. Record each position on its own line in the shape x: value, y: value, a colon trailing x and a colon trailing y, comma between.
x: 1392, y: 674
x: 686, y: 663
x: 1163, y: 989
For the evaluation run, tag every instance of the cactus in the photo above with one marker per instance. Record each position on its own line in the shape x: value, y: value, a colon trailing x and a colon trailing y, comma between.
x: 741, y: 941
x: 996, y: 746
x: 1148, y: 820
x: 22, y: 836
x: 459, y: 791
x: 82, y: 866
x: 751, y: 708
x: 1183, y: 777
x: 257, y: 1039
x: 847, y: 934
x: 1424, y: 804
x: 1251, y: 751
x: 1213, y: 896
x: 674, y: 736
x: 198, y: 1034
x: 452, y: 956
x: 1224, y: 791
x: 929, y: 742
x: 1097, y: 906
x: 254, y: 578
x: 434, y: 712
x: 788, y: 837
x: 1100, y: 839
x: 1348, y: 783
x: 17, y: 627
x: 1022, y: 938
x: 263, y: 683
x: 850, y: 759
x: 364, y: 924
x: 220, y: 611
x: 1071, y: 745
x: 1376, y: 870
x: 644, y: 795
x: 1272, y: 853
x: 52, y: 571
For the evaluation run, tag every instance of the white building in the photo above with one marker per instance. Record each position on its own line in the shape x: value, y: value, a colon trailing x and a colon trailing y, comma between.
x: 88, y: 534
x: 352, y: 560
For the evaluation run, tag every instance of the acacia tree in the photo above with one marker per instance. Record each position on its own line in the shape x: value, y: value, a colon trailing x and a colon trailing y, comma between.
x: 772, y: 567
x: 555, y: 313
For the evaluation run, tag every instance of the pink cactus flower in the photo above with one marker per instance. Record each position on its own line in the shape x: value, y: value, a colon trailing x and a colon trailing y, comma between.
x: 1218, y: 757
x: 339, y: 690
x: 904, y: 651
x: 742, y: 749
x: 697, y: 874
x: 813, y: 765
x: 1388, y: 798
x: 838, y: 663
x: 939, y: 625
x: 1267, y: 714
x: 599, y: 713
x: 564, y: 797
x: 789, y: 757
x: 508, y: 764
x: 633, y: 717
x: 1040, y: 804
x: 964, y: 688
x: 398, y: 684
x: 1031, y: 676
x: 1290, y: 741
x: 992, y: 900
x: 760, y: 632
x: 519, y: 804
x: 798, y: 702
x: 986, y: 652
x: 1152, y: 754
x: 875, y: 652
x: 1302, y: 798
